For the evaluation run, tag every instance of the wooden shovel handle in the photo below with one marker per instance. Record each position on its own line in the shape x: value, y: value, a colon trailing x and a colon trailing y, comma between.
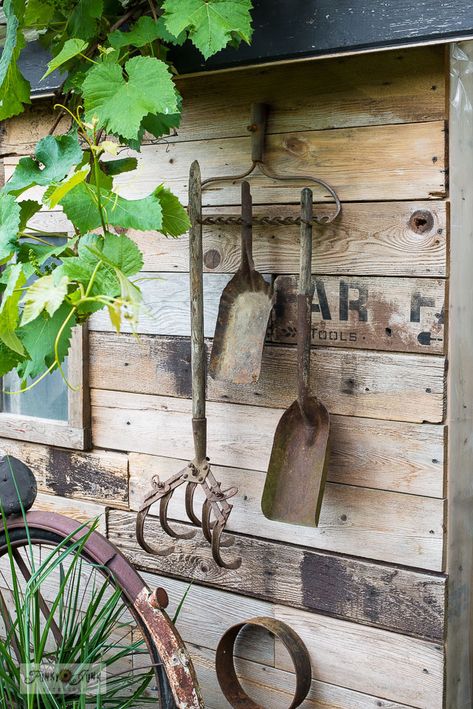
x: 304, y: 300
x: 198, y: 355
x: 247, y: 264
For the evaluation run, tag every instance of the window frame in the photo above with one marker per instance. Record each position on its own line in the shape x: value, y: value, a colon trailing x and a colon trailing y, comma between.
x: 74, y: 433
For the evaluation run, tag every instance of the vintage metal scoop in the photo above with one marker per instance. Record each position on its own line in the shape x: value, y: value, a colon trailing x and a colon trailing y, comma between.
x: 216, y: 508
x: 297, y: 468
x: 245, y: 307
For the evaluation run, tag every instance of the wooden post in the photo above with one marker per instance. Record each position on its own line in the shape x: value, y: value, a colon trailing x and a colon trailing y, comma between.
x: 460, y: 384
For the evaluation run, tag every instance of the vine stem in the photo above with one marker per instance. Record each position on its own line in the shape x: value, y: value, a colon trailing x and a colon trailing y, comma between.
x: 31, y: 386
x: 56, y: 350
x: 153, y: 10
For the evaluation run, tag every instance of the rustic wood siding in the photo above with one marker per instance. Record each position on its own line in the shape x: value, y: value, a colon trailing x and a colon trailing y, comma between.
x: 367, y: 589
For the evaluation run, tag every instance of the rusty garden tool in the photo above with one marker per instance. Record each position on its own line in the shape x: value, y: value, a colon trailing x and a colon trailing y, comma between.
x: 297, y: 468
x: 247, y: 300
x: 216, y: 508
x: 245, y: 307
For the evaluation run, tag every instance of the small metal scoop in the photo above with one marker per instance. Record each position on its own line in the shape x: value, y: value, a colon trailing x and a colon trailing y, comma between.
x: 297, y: 470
x: 245, y: 307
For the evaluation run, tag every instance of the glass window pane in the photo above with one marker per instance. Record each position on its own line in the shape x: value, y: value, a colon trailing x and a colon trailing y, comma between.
x: 48, y: 399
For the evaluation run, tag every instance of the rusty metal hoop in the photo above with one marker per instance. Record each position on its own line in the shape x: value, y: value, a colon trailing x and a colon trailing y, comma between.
x: 225, y: 665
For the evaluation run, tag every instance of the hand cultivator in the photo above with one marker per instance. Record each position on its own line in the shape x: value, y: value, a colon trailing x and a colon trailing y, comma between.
x: 216, y: 508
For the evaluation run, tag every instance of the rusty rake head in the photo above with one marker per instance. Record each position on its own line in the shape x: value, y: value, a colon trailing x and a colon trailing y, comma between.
x: 215, y: 510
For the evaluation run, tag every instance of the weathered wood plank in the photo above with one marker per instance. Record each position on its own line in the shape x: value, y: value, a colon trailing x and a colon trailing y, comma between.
x: 350, y: 382
x: 369, y: 163
x: 459, y: 672
x: 326, y: 94
x: 75, y: 509
x: 47, y: 431
x: 377, y: 524
x: 390, y: 238
x: 239, y: 435
x: 401, y: 87
x: 395, y: 314
x: 270, y: 687
x: 364, y: 240
x: 98, y: 476
x: 368, y: 453
x: 384, y: 596
x: 366, y: 658
x: 372, y: 163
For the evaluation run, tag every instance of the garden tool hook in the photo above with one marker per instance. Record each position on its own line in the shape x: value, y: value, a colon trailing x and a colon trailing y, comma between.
x: 216, y: 508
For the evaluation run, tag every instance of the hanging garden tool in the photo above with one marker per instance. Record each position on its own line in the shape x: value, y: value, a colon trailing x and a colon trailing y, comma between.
x: 216, y: 508
x: 247, y: 300
x: 243, y: 315
x: 251, y: 300
x: 298, y: 465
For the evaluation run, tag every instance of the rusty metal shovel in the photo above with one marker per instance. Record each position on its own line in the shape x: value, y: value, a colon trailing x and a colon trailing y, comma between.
x: 245, y: 307
x: 298, y: 465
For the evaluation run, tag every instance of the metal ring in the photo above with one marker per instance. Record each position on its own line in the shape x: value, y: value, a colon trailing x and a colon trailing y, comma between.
x: 225, y: 665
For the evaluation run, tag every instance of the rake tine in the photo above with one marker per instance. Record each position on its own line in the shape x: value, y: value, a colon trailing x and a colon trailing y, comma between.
x: 163, y: 518
x: 190, y: 492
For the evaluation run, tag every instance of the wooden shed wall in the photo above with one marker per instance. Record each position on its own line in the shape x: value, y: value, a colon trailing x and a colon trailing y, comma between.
x: 366, y: 590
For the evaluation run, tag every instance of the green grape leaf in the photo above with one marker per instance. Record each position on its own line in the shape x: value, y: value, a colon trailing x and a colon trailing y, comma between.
x: 84, y: 18
x: 71, y: 48
x: 54, y: 157
x: 144, y: 31
x: 9, y: 226
x: 166, y: 36
x: 54, y: 194
x: 38, y: 338
x: 117, y: 167
x: 8, y: 359
x: 119, y: 104
x: 81, y: 268
x: 46, y: 294
x: 211, y: 23
x: 119, y: 252
x: 159, y: 124
x: 14, y: 89
x: 28, y: 208
x: 38, y: 13
x: 42, y: 253
x: 175, y: 219
x: 80, y: 206
x: 9, y: 313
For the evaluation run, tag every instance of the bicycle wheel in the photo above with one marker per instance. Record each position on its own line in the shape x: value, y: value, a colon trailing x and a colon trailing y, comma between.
x: 91, y: 606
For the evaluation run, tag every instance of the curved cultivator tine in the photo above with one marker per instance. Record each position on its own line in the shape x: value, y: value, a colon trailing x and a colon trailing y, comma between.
x: 217, y: 544
x: 190, y: 493
x: 207, y: 523
x: 140, y: 536
x: 163, y: 518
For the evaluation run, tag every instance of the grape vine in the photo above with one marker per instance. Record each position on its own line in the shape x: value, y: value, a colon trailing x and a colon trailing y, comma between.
x: 118, y: 90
